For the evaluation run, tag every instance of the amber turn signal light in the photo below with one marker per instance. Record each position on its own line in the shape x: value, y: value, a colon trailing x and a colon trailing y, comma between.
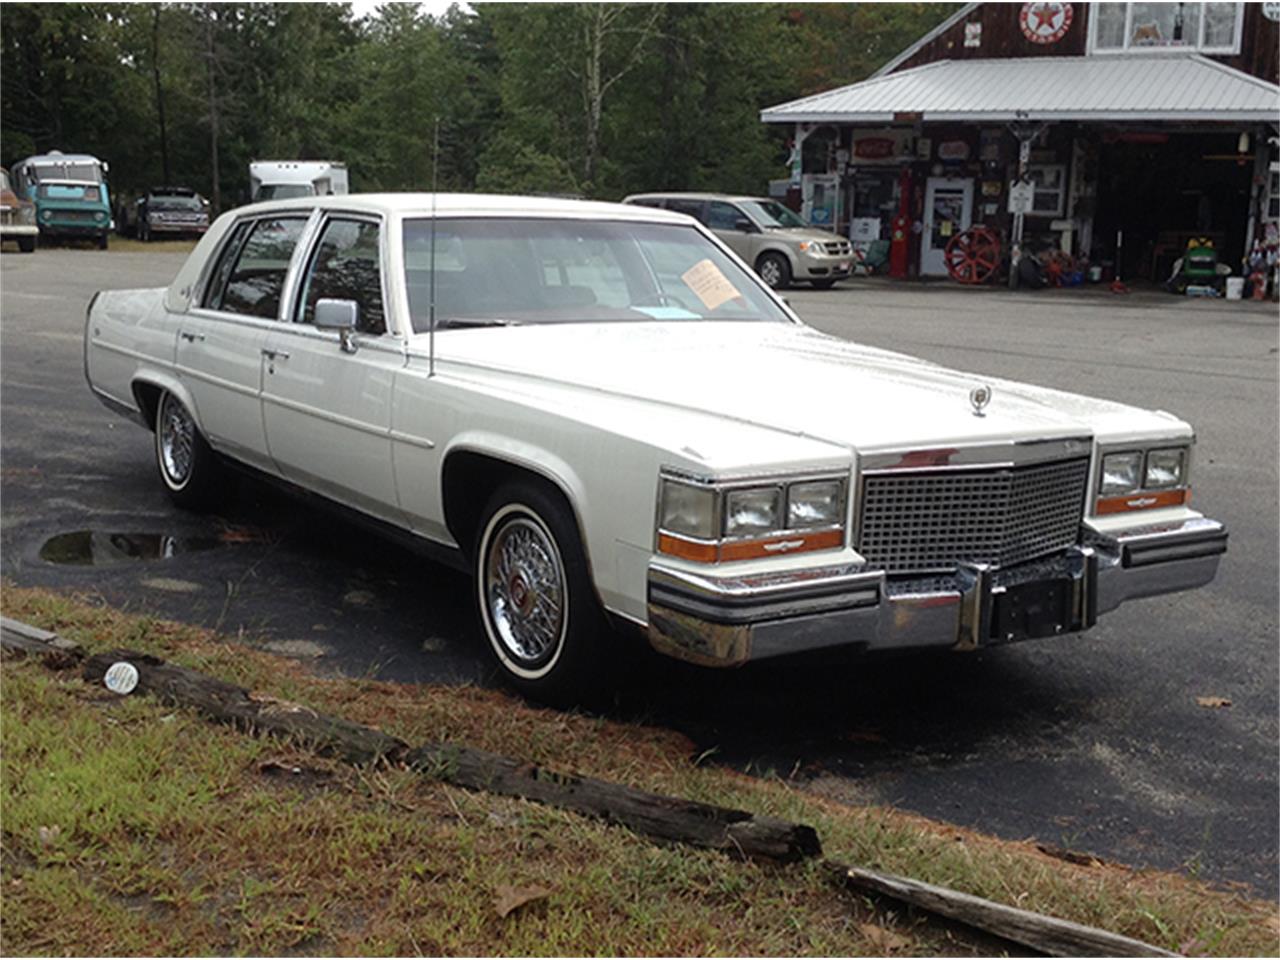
x: 1142, y: 501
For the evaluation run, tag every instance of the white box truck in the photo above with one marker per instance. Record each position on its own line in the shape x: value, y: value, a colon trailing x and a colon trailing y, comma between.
x: 281, y: 179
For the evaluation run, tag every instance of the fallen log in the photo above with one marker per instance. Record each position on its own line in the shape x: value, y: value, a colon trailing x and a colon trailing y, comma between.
x: 228, y: 703
x: 735, y: 832
x: 1048, y: 935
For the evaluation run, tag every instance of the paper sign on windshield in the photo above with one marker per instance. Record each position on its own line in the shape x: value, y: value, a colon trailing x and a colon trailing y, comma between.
x: 712, y: 287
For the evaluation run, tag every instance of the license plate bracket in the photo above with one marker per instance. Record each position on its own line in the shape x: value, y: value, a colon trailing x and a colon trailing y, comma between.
x: 1041, y: 608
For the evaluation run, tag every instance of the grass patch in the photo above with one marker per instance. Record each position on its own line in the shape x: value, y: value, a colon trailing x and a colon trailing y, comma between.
x: 134, y: 828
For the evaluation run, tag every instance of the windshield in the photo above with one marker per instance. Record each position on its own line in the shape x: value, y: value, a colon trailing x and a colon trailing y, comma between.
x: 69, y: 191
x: 497, y: 271
x: 88, y: 172
x: 284, y: 191
x: 770, y: 213
x: 174, y: 202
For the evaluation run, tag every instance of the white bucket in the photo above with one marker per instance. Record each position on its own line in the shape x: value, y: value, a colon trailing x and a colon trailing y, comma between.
x: 1235, y: 288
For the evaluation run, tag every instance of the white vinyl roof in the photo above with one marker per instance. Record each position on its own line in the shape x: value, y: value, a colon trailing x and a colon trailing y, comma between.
x: 1105, y: 87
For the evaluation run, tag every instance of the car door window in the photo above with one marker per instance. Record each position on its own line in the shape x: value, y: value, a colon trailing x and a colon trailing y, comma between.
x: 222, y: 267
x: 254, y: 285
x: 347, y: 266
x: 693, y: 208
x: 723, y: 216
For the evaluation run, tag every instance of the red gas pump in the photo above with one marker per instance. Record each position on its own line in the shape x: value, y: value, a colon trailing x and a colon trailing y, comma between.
x: 900, y: 238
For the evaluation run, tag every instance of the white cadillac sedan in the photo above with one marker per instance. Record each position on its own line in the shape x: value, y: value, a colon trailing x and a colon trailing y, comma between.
x: 609, y: 421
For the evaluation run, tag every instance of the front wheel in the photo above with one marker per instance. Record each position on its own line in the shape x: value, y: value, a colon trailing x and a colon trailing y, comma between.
x: 537, y: 605
x: 102, y: 241
x: 188, y: 466
x: 774, y: 270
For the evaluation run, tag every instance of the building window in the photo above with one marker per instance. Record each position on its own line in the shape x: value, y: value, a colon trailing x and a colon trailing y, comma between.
x: 1050, y: 182
x: 1139, y: 27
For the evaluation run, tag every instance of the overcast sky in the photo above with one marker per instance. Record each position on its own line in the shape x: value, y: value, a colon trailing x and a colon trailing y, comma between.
x: 363, y: 8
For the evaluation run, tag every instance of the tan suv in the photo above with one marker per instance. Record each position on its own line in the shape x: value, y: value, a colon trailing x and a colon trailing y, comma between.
x: 765, y: 234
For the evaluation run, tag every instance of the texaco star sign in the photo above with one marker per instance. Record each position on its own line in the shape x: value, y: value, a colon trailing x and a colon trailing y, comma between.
x: 1045, y: 22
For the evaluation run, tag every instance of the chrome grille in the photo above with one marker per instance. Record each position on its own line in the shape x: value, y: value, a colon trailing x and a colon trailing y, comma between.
x: 75, y: 215
x: 841, y: 248
x: 921, y: 521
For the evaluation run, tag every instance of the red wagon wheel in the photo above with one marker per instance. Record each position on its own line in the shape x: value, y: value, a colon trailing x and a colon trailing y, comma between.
x: 972, y: 256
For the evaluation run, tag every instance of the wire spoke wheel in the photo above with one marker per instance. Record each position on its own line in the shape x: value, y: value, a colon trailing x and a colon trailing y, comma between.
x: 177, y: 438
x: 972, y: 256
x: 525, y: 591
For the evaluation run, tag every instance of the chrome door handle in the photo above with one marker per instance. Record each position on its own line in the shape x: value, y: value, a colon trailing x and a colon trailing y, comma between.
x: 191, y: 337
x: 275, y: 354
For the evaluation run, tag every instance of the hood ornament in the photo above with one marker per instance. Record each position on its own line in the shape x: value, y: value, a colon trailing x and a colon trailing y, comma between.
x: 979, y: 397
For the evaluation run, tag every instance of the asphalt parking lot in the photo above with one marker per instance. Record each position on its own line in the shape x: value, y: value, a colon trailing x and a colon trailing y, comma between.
x: 1094, y: 743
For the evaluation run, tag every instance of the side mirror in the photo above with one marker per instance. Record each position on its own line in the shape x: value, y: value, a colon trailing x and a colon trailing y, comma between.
x: 743, y: 225
x: 340, y: 315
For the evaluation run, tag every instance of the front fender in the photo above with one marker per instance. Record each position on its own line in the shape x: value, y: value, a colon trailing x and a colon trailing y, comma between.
x: 531, y: 457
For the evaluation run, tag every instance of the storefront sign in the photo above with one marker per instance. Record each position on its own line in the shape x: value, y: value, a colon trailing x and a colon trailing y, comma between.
x: 973, y: 34
x: 864, y: 228
x: 881, y: 146
x: 1271, y: 11
x: 1045, y: 22
x: 953, y: 150
x: 873, y: 148
x: 1022, y: 197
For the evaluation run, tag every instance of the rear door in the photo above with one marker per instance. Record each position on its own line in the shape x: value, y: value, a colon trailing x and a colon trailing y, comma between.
x: 328, y: 411
x: 219, y: 349
x: 693, y: 208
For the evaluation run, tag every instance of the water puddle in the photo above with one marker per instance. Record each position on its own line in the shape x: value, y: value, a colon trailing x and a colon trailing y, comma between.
x: 93, y: 548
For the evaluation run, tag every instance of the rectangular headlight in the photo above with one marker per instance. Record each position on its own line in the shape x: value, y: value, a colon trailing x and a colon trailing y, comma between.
x: 687, y: 510
x: 1166, y: 468
x: 1121, y: 472
x: 754, y: 510
x: 818, y: 503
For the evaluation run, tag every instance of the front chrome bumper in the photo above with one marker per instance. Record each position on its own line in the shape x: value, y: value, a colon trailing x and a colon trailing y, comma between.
x: 726, y: 621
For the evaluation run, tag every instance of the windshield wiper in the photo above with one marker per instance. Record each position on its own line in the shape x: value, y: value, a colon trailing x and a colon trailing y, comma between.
x: 476, y: 322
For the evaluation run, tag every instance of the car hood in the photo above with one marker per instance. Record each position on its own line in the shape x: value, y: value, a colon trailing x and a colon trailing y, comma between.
x: 795, y: 379
x: 799, y: 234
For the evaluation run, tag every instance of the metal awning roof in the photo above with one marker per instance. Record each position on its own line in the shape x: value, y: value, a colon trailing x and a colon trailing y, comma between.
x: 1101, y: 88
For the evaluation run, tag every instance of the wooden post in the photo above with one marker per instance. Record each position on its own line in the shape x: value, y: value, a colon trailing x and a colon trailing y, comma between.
x: 227, y: 703
x: 735, y: 832
x: 19, y: 636
x: 1049, y: 935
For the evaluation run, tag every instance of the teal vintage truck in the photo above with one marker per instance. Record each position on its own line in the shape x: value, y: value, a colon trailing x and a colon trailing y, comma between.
x: 70, y: 194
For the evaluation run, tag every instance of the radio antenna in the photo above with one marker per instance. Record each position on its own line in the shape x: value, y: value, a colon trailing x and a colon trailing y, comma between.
x: 431, y: 308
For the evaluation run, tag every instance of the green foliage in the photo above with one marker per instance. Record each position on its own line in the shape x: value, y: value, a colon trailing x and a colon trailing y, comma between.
x: 593, y: 99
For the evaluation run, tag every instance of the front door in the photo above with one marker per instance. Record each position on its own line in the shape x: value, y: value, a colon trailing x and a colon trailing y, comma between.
x: 327, y: 411
x: 948, y: 206
x: 727, y: 221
